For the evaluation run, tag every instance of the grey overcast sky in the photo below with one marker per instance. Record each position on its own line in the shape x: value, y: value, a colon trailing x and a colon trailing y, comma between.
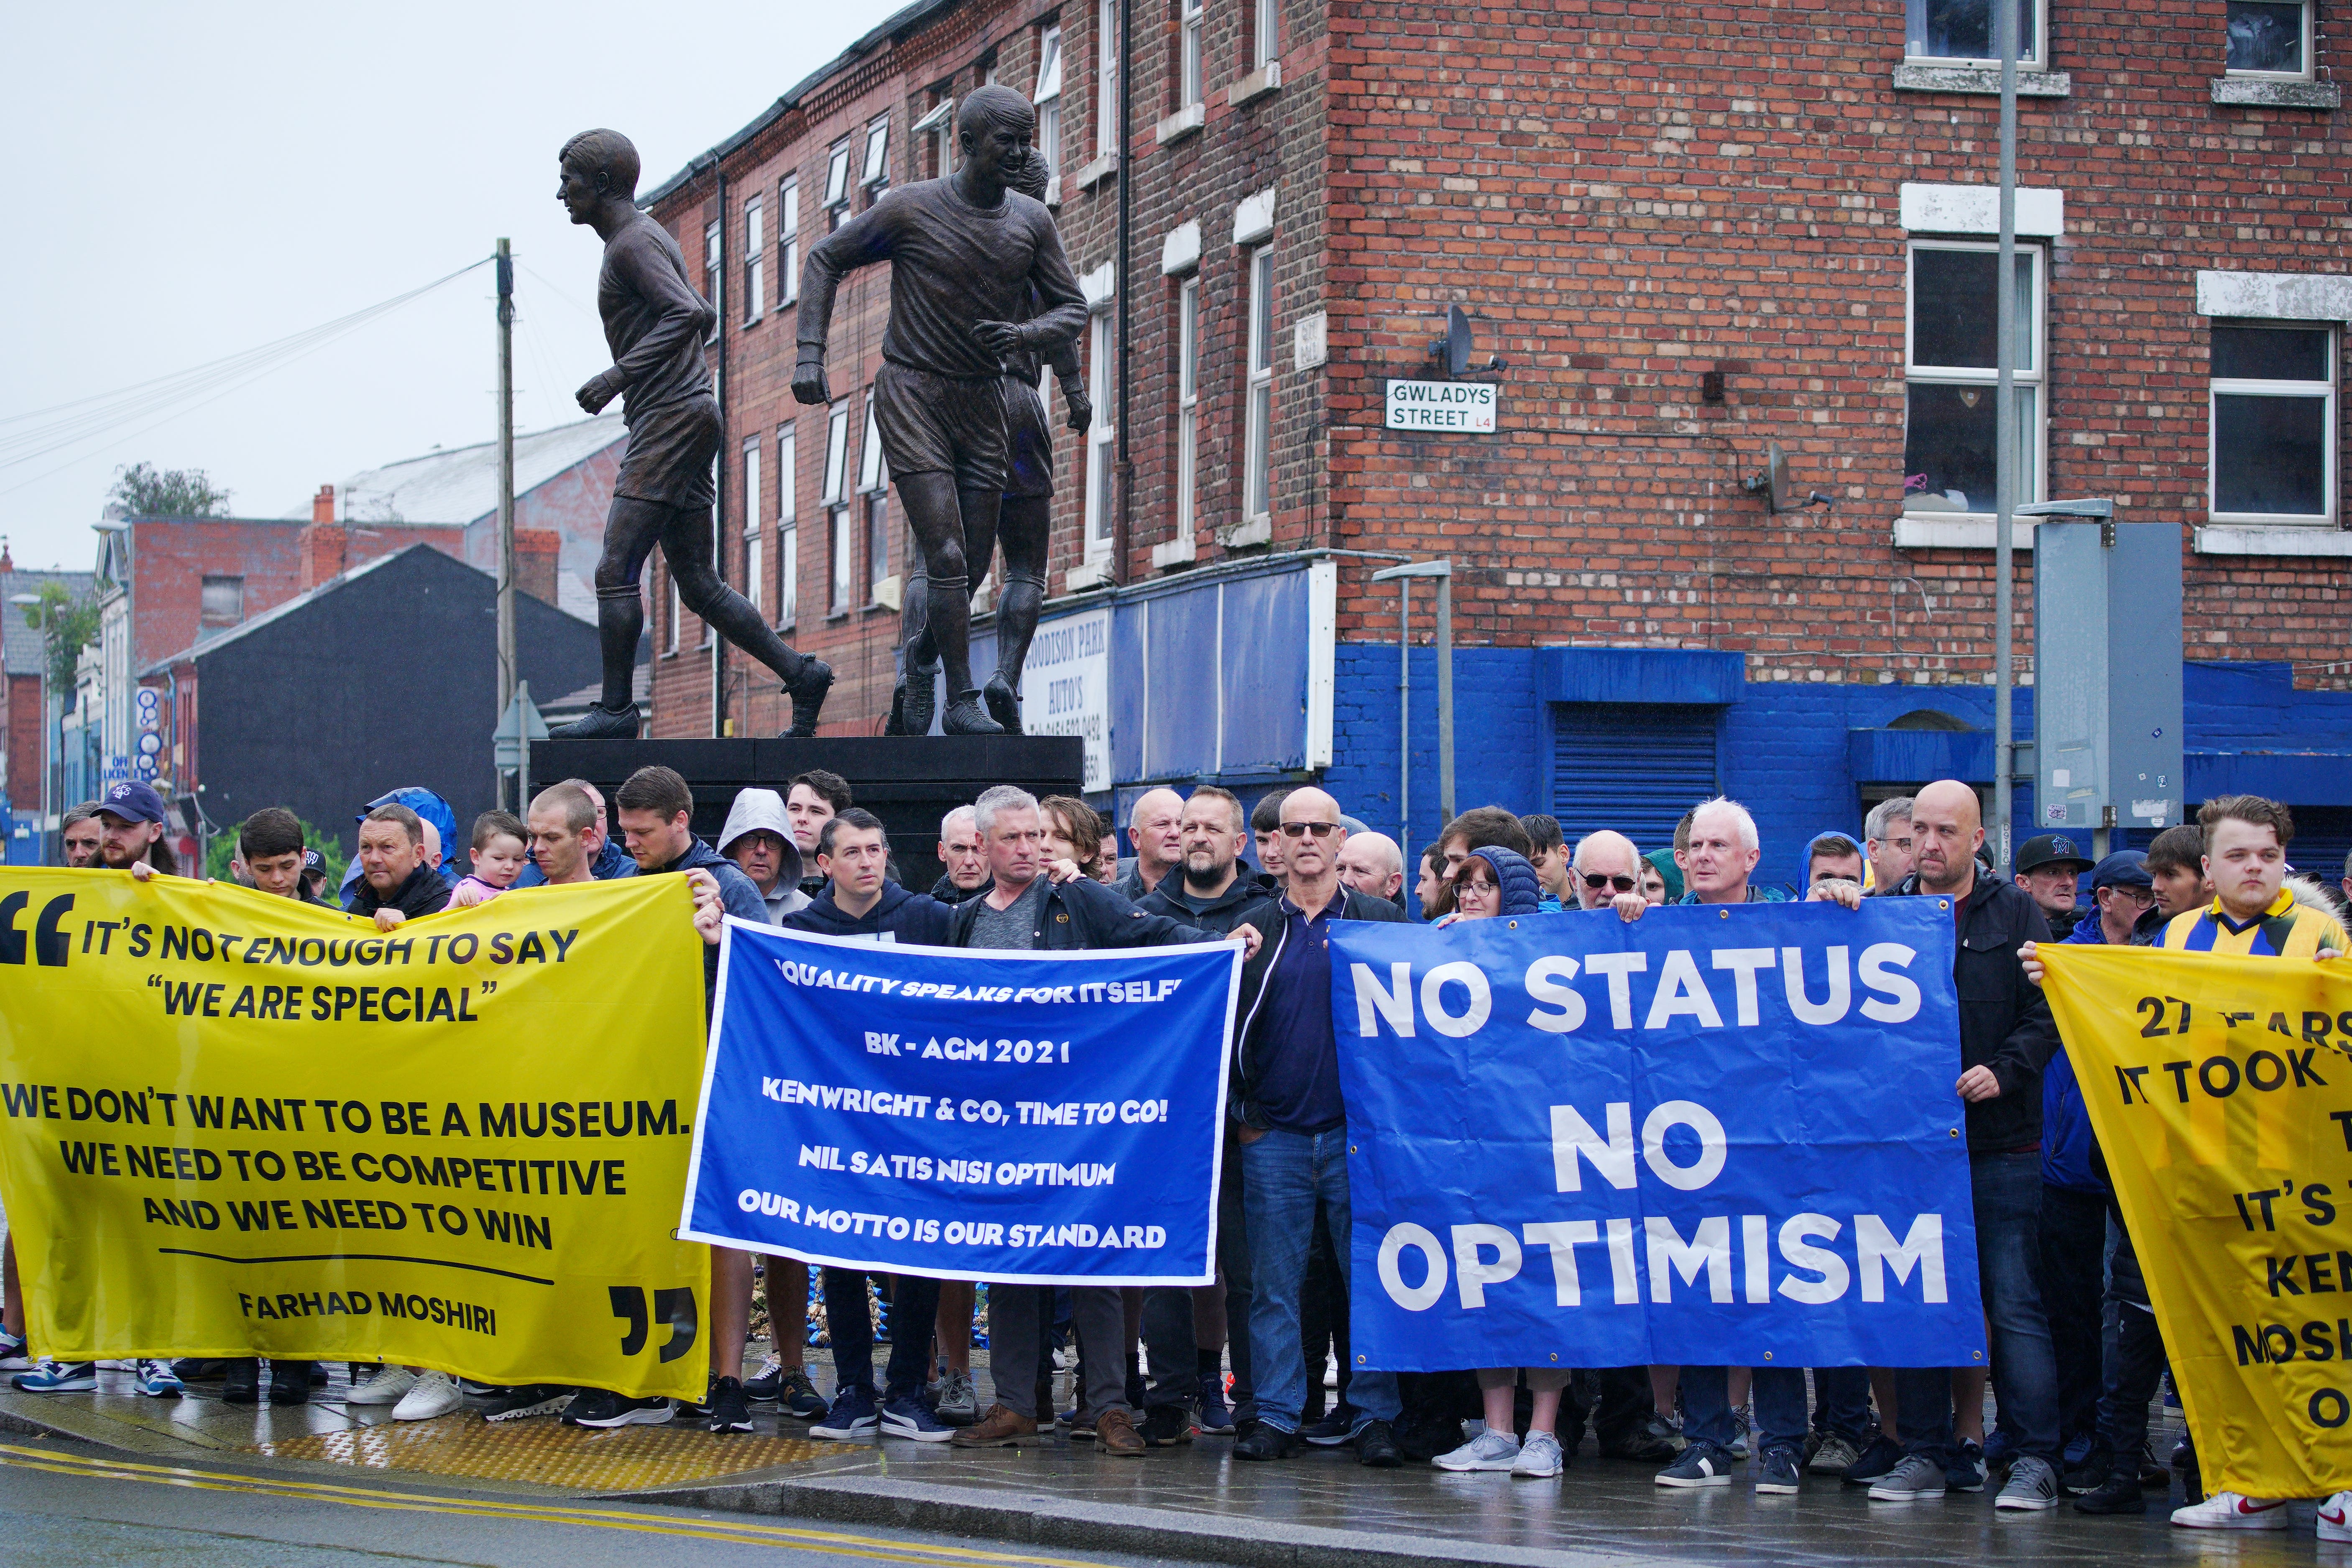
x: 194, y: 182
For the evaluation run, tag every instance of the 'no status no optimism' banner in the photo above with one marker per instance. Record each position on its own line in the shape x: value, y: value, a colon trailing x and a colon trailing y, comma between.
x: 1715, y: 1136
x: 1029, y: 1117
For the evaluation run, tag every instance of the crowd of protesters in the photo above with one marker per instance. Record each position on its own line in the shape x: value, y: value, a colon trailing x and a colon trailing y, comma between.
x: 2075, y: 1354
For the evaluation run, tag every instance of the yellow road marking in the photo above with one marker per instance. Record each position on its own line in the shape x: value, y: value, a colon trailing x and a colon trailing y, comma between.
x: 745, y: 1534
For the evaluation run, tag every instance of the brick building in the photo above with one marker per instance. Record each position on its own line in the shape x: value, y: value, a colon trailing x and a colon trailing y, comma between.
x: 1677, y: 235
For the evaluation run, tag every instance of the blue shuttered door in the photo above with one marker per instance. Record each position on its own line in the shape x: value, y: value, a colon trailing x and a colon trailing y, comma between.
x: 1633, y: 769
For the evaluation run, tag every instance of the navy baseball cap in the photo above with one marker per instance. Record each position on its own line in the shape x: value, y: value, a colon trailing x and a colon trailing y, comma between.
x: 2124, y: 869
x: 133, y: 802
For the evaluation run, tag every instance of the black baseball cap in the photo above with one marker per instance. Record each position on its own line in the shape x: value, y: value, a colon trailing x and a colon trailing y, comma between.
x: 2051, y: 849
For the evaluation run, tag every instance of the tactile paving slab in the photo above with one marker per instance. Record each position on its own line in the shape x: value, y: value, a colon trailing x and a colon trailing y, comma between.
x: 548, y: 1453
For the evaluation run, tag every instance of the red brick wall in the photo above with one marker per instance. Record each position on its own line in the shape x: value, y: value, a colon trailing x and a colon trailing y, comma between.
x: 25, y: 738
x: 170, y: 557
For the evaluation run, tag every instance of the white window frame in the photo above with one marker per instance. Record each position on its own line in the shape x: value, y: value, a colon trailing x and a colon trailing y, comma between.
x: 788, y: 241
x: 1265, y: 33
x: 837, y: 453
x: 752, y: 538
x: 755, y: 262
x: 936, y: 127
x: 1257, y: 401
x: 1188, y: 405
x: 876, y: 169
x: 2218, y: 387
x: 1047, y: 99
x: 714, y: 275
x: 837, y: 183
x: 1101, y: 504
x: 677, y: 610
x: 1105, y: 78
x: 2031, y: 51
x: 875, y: 524
x: 844, y: 563
x: 2308, y: 43
x: 873, y: 470
x: 2033, y: 381
x: 788, y: 533
x: 1192, y: 68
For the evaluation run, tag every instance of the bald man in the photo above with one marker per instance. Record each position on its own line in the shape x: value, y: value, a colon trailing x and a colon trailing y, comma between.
x: 2006, y: 1037
x: 1371, y: 863
x: 1606, y: 872
x: 1154, y: 826
x: 1294, y: 1132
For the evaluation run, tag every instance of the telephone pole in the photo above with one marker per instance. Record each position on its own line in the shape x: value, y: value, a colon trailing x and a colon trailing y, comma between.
x: 507, y: 672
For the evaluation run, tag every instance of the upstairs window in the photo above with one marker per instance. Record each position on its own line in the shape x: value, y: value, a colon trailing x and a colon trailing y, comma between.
x: 877, y: 157
x: 934, y: 136
x: 1950, y: 375
x: 714, y: 282
x: 836, y: 185
x: 2270, y: 39
x: 223, y: 601
x: 1960, y: 32
x: 1257, y: 445
x: 755, y: 262
x: 788, y: 242
x: 1189, y: 60
x: 1105, y: 78
x: 1048, y: 99
x: 2274, y: 423
x: 1265, y: 27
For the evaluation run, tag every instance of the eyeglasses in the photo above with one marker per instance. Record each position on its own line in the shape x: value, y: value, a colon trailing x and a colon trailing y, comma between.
x: 1596, y: 881
x: 1301, y: 829
x: 2143, y: 896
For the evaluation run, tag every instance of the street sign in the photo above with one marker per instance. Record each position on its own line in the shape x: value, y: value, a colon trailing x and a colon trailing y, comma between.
x: 517, y: 727
x: 1454, y: 407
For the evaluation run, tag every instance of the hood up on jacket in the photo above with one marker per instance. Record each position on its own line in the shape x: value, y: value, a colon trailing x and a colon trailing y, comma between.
x: 1664, y: 860
x: 1522, y: 889
x: 1805, y: 862
x: 762, y: 811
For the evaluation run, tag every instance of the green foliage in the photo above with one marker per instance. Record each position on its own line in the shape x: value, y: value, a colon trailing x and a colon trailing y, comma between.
x: 330, y: 848
x: 145, y: 490
x: 67, y: 625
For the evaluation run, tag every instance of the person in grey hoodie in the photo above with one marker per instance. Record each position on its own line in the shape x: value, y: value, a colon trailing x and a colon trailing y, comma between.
x: 759, y: 838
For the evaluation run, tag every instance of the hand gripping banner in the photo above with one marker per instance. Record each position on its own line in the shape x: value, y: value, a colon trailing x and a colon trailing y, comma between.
x: 235, y: 1125
x: 2221, y: 1090
x: 1715, y: 1136
x: 1035, y: 1118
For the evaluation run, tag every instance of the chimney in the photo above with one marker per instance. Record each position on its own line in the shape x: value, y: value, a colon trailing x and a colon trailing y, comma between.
x: 322, y: 505
x: 536, y: 553
x: 323, y: 546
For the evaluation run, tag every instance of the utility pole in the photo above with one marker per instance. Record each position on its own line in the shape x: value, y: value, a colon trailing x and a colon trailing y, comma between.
x: 507, y: 673
x: 2004, y: 457
x: 1123, y: 528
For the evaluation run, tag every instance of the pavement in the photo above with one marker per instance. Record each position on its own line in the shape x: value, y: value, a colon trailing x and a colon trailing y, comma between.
x: 1192, y: 1502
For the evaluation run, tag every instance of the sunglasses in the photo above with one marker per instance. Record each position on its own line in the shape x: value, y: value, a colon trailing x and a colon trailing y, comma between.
x: 1301, y: 829
x: 1595, y: 881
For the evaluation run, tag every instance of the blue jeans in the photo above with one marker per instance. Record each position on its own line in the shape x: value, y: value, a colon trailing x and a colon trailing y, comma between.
x: 2007, y: 1189
x: 1779, y: 1396
x: 1842, y: 1404
x: 914, y: 1304
x: 1284, y: 1175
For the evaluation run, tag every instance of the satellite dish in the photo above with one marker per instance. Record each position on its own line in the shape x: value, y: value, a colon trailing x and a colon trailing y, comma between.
x: 1773, y: 485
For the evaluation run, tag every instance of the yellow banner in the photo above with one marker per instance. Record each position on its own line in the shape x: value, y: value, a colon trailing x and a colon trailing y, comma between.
x: 2221, y: 1088
x: 235, y: 1125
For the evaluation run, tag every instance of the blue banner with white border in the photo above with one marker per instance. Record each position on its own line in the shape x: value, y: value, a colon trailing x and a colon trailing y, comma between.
x: 1715, y: 1136
x: 1033, y: 1118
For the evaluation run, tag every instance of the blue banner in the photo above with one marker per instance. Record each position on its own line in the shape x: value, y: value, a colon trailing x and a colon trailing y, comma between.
x: 1037, y: 1117
x: 1715, y: 1136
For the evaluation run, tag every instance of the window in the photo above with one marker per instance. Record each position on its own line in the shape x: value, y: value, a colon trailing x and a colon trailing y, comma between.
x: 1102, y: 497
x: 1256, y: 447
x: 223, y: 601
x: 1188, y: 403
x: 713, y: 283
x: 836, y: 452
x: 752, y: 588
x: 755, y: 262
x: 1961, y: 31
x: 1265, y: 29
x: 877, y: 155
x: 788, y: 242
x: 845, y: 566
x: 873, y: 473
x: 2274, y: 424
x: 1948, y: 441
x: 1048, y: 99
x: 836, y: 185
x: 877, y: 541
x: 1105, y: 78
x: 676, y: 612
x: 1189, y: 74
x: 2270, y: 39
x: 934, y: 136
x: 788, y: 536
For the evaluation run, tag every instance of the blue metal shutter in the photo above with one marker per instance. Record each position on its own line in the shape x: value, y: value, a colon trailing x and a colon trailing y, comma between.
x: 1631, y: 768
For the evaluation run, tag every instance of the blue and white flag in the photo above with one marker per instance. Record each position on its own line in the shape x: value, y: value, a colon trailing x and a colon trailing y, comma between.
x: 1036, y: 1117
x: 1717, y: 1136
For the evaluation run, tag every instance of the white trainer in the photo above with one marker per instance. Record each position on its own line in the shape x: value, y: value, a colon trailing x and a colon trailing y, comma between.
x: 390, y: 1385
x: 1487, y: 1451
x: 2228, y: 1511
x: 2336, y: 1517
x: 435, y: 1393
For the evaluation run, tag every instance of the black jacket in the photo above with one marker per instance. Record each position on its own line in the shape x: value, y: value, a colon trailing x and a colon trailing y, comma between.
x: 1222, y: 913
x: 947, y: 892
x: 2005, y: 1022
x: 1083, y: 913
x: 897, y: 916
x: 426, y: 892
x: 1249, y: 1032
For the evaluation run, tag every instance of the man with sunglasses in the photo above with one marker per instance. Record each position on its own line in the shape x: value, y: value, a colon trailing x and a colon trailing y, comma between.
x: 1606, y: 872
x: 1294, y: 1127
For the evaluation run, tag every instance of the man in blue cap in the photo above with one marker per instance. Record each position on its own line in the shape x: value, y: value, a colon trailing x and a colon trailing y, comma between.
x: 131, y: 821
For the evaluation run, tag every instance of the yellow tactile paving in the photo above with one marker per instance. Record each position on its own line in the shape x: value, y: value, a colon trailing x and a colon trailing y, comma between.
x: 548, y: 1453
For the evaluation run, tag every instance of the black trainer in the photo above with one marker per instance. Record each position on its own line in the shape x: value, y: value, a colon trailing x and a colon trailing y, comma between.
x: 241, y: 1382
x: 290, y: 1383
x: 1266, y: 1442
x: 730, y: 1411
x: 808, y: 696
x: 528, y: 1400
x: 1376, y: 1447
x: 2119, y: 1493
x: 1167, y: 1425
x: 600, y: 723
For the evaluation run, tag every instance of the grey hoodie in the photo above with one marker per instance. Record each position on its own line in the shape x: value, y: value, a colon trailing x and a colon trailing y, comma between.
x: 762, y: 810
